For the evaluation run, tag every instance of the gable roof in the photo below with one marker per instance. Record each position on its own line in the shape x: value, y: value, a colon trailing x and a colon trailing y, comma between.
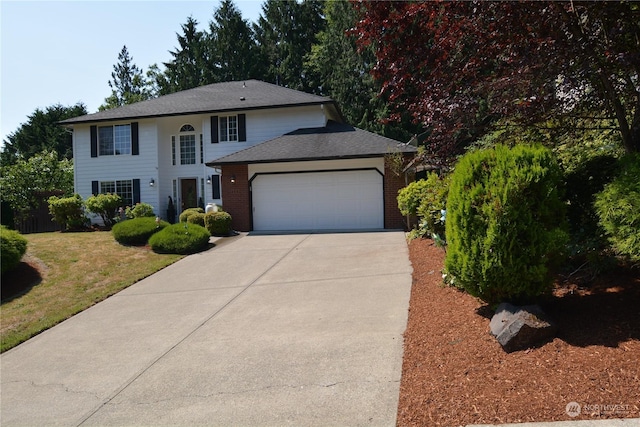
x: 213, y: 98
x: 334, y: 141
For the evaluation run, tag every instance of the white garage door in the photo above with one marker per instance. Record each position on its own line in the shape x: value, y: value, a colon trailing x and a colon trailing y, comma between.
x: 318, y: 201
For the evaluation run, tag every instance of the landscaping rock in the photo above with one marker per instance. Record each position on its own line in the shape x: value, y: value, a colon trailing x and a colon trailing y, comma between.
x: 519, y: 328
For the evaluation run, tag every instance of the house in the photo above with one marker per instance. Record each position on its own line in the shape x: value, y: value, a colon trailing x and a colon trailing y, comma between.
x: 274, y: 158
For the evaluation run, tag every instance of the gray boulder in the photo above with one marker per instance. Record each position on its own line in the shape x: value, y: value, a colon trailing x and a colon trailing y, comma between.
x: 519, y: 328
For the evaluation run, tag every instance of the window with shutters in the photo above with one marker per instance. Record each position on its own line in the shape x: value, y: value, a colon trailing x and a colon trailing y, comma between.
x: 228, y: 128
x: 124, y: 189
x: 114, y: 140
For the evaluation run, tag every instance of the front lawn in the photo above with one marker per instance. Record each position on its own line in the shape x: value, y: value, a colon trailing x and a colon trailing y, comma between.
x: 65, y: 273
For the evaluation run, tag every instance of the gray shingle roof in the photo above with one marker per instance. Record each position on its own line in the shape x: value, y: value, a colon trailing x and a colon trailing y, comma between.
x: 217, y: 97
x: 335, y: 141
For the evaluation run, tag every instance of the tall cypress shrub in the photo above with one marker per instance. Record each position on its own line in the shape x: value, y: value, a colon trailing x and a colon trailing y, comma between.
x: 505, y: 223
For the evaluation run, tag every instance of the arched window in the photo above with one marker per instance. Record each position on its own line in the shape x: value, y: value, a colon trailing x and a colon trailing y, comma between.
x: 187, y: 128
x: 187, y: 145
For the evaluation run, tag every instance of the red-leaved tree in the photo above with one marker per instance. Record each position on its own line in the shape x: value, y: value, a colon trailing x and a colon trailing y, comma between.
x: 457, y: 67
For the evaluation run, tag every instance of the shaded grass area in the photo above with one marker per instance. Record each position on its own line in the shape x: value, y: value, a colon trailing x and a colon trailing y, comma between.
x: 65, y: 273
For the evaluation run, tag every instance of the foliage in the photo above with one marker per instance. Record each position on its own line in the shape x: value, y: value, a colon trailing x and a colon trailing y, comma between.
x: 459, y: 66
x: 196, y: 218
x: 426, y: 198
x: 127, y: 85
x: 104, y: 205
x: 41, y: 134
x: 140, y: 210
x: 218, y: 223
x: 504, y: 223
x: 618, y: 207
x: 22, y: 183
x: 137, y: 231
x: 12, y: 247
x: 68, y: 211
x: 182, y: 238
x: 184, y: 216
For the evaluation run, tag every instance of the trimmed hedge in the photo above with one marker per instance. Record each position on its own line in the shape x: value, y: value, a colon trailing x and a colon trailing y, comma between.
x: 12, y: 247
x: 188, y: 212
x: 504, y: 223
x: 196, y: 218
x: 218, y: 223
x: 618, y: 208
x: 182, y: 238
x: 68, y: 211
x: 426, y: 198
x: 137, y: 231
x: 140, y: 210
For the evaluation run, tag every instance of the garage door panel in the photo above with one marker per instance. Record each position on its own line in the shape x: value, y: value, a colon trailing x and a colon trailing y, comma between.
x: 318, y: 200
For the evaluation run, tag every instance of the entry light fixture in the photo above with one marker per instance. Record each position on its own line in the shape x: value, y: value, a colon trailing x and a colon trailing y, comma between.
x: 233, y: 179
x: 152, y: 183
x: 208, y: 179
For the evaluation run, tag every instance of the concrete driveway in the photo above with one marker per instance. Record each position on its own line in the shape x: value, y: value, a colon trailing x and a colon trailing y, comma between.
x: 298, y: 330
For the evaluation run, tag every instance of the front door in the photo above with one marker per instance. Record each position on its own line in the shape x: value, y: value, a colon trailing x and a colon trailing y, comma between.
x: 189, y: 192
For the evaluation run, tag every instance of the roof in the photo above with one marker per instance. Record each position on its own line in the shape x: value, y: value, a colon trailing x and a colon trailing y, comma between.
x: 213, y: 98
x: 334, y: 141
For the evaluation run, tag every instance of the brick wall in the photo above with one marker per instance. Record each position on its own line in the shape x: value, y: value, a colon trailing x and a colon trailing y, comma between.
x: 235, y: 196
x: 393, y: 219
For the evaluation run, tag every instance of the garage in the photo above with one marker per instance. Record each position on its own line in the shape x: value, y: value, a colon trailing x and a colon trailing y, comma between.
x: 328, y: 200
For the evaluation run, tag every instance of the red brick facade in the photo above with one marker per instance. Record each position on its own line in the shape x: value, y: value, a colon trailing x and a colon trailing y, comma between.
x: 235, y: 196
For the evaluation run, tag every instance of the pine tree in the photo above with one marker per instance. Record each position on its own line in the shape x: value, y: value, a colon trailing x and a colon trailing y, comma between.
x: 127, y: 83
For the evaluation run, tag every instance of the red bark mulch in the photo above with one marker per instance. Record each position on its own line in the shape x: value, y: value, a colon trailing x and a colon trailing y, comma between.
x: 455, y: 373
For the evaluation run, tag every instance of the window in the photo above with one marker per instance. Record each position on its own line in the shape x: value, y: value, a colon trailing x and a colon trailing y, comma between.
x: 229, y: 128
x: 114, y: 140
x: 124, y: 189
x: 187, y: 145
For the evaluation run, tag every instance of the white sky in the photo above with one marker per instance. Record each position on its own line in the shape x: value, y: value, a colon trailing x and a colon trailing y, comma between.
x: 64, y: 51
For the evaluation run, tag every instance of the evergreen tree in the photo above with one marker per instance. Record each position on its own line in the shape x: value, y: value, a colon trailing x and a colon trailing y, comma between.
x: 127, y: 84
x: 41, y: 133
x: 285, y: 32
x: 232, y: 47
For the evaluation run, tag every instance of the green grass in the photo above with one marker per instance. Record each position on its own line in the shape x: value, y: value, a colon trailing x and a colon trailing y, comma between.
x: 78, y: 270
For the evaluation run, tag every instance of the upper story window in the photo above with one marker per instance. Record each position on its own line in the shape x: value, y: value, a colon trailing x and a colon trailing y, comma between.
x: 114, y: 140
x: 229, y: 128
x: 187, y: 145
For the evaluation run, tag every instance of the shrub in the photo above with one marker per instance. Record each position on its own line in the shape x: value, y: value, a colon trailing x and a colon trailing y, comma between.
x: 504, y: 223
x: 196, y: 218
x: 218, y: 223
x: 426, y: 198
x: 618, y: 208
x: 188, y: 212
x: 181, y: 238
x: 68, y: 211
x: 12, y: 247
x: 137, y: 231
x: 106, y: 206
x: 140, y: 210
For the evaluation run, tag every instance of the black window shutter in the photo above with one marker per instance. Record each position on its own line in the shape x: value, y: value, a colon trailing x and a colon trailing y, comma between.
x: 215, y: 186
x: 135, y: 146
x: 242, y: 127
x: 136, y: 191
x: 94, y: 141
x: 214, y: 129
x: 95, y: 188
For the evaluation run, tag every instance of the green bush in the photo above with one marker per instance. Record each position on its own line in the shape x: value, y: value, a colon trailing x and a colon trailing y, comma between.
x: 426, y: 198
x: 12, y: 247
x: 68, y: 211
x: 504, y: 223
x: 140, y: 210
x: 196, y: 218
x: 218, y: 223
x: 618, y: 208
x: 181, y: 238
x: 137, y: 231
x: 188, y: 212
x: 104, y: 205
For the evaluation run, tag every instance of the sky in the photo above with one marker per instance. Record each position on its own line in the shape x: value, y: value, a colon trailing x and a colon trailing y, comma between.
x: 63, y: 52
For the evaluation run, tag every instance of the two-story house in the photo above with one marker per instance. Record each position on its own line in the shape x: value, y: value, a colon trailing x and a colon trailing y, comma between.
x: 274, y: 158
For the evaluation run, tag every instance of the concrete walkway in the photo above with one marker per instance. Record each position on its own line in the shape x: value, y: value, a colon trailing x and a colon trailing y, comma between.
x: 261, y: 330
